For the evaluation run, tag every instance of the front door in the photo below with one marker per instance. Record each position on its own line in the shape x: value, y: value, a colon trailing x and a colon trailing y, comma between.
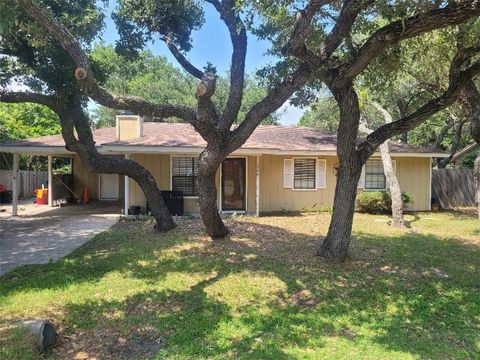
x: 234, y: 187
x: 109, y: 186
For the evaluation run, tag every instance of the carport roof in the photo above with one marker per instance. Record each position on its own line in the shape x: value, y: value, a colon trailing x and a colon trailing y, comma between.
x: 172, y: 137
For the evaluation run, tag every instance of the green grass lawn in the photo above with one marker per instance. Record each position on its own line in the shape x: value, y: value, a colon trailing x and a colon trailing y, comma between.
x: 131, y: 293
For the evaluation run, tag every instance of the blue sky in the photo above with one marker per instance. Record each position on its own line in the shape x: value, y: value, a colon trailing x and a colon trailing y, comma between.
x: 212, y: 44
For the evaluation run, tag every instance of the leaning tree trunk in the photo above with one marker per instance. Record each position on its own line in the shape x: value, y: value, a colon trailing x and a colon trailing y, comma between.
x: 476, y: 177
x: 158, y: 208
x: 74, y: 118
x: 391, y: 177
x: 339, y: 233
x: 208, y: 163
x: 394, y: 185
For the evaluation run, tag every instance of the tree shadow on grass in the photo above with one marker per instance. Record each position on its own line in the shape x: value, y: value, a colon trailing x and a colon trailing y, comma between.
x: 409, y: 223
x: 262, y: 294
x: 109, y: 251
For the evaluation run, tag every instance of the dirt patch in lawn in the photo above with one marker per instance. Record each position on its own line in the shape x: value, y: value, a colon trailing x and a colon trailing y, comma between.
x: 138, y: 343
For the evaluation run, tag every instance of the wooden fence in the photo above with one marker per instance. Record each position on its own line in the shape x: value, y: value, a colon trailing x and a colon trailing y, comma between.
x: 453, y: 187
x: 28, y: 181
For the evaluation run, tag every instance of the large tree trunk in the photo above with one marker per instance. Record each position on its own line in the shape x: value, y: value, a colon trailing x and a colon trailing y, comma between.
x: 158, y: 208
x: 209, y: 162
x: 476, y: 176
x: 84, y: 146
x: 473, y: 98
x: 337, y: 241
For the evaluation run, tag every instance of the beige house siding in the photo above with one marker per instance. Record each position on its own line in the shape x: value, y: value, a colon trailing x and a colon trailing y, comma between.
x: 414, y: 177
x: 413, y: 174
x: 83, y: 179
x: 159, y: 166
x: 273, y: 197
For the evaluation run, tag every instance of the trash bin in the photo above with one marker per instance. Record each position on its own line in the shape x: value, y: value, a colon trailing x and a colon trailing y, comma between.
x: 42, y: 196
x: 134, y: 210
x: 6, y: 197
x: 174, y: 201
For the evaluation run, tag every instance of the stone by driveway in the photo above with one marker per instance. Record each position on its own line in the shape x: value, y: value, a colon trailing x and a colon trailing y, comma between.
x: 41, y: 234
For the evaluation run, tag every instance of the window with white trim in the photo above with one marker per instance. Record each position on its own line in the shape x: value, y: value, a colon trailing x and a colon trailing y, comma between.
x: 375, y: 176
x: 184, y: 175
x: 304, y: 174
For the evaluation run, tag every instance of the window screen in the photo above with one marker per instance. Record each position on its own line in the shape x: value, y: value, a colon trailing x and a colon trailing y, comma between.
x: 374, y: 175
x: 184, y: 175
x: 304, y: 174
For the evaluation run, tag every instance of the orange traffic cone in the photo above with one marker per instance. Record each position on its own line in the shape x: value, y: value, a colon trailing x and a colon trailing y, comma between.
x: 86, y: 197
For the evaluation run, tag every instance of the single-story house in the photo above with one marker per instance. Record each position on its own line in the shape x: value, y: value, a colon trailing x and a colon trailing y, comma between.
x: 278, y: 168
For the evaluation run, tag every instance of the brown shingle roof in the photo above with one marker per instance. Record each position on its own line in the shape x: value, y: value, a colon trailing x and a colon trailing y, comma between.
x: 282, y: 138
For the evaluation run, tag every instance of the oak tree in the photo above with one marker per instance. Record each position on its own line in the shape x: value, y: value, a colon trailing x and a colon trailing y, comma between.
x: 340, y: 40
x: 327, y: 42
x: 35, y: 70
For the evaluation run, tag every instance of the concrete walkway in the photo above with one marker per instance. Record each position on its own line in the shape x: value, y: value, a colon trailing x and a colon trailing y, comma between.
x: 41, y: 234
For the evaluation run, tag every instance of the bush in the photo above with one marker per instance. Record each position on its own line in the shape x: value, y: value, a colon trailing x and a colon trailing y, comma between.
x: 407, y: 197
x: 377, y: 202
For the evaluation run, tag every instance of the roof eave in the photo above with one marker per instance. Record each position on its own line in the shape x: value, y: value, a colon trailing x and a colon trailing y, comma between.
x: 132, y: 149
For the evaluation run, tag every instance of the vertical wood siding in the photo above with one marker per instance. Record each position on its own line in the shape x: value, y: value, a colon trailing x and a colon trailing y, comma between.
x: 413, y: 175
x: 83, y: 179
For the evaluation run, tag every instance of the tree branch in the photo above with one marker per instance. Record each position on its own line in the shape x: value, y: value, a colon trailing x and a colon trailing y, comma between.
x: 85, y: 76
x: 458, y: 78
x: 443, y: 132
x: 406, y: 29
x: 270, y: 103
x: 238, y: 37
x: 343, y: 26
x: 206, y: 115
x: 29, y: 97
x: 473, y: 97
x: 296, y: 45
x: 457, y: 139
x: 181, y: 58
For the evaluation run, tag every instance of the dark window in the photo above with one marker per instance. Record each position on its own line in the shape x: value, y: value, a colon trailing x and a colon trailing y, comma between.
x: 184, y: 175
x: 374, y: 175
x: 304, y: 174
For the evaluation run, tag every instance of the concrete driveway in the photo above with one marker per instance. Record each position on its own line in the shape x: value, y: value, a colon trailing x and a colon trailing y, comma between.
x: 41, y: 234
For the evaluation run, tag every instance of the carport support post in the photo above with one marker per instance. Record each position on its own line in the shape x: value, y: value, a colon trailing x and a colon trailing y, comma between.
x: 16, y: 160
x: 127, y: 192
x: 257, y: 186
x: 50, y: 182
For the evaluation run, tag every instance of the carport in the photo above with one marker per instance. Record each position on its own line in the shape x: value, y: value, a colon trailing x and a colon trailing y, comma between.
x: 41, y: 233
x: 104, y: 187
x: 36, y: 234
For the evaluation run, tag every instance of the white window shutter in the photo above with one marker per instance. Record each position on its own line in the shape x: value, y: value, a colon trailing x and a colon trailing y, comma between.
x: 321, y: 174
x: 361, y: 182
x: 394, y: 165
x: 288, y: 168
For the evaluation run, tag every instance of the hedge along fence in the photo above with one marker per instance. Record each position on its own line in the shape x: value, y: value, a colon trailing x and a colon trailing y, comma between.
x: 453, y: 187
x: 28, y: 181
